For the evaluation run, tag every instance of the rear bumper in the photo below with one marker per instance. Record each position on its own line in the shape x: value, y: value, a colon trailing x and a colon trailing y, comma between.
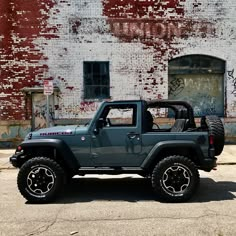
x: 208, y: 164
x: 212, y: 152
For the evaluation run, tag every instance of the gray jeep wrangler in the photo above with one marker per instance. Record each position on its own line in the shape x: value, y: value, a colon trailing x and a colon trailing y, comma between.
x: 123, y: 137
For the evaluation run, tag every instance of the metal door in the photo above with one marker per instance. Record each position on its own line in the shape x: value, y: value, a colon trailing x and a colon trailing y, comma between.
x: 118, y: 142
x: 203, y: 91
x: 198, y: 79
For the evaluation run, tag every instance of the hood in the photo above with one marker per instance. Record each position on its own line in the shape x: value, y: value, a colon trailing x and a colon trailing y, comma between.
x: 57, y: 131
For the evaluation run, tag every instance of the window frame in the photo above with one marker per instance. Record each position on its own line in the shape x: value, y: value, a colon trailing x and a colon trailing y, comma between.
x: 121, y: 106
x: 100, y: 86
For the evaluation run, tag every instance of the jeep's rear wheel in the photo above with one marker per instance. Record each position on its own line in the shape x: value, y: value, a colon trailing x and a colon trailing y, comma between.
x: 175, y: 179
x: 40, y: 179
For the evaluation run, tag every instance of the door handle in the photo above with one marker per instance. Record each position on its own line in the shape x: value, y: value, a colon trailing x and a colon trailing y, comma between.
x: 133, y: 135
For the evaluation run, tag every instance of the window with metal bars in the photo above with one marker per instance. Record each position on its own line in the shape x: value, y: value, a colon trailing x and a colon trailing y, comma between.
x: 96, y: 80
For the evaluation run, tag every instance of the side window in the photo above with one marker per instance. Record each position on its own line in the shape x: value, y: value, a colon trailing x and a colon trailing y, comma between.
x: 96, y: 80
x: 152, y: 118
x: 121, y: 115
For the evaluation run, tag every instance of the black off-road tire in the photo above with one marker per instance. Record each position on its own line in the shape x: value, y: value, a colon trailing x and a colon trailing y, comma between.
x: 40, y: 180
x: 216, y: 128
x: 175, y: 179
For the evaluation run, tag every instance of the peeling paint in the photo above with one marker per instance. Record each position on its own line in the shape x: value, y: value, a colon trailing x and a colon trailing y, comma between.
x: 21, y: 23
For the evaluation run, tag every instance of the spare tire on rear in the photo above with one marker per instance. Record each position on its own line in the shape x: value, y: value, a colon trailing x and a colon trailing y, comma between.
x: 216, y: 129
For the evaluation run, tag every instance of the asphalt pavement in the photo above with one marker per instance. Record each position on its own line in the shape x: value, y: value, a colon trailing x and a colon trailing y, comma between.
x: 124, y: 205
x: 97, y: 205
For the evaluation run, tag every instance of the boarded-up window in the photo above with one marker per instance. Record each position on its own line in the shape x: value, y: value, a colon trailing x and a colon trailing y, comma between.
x: 200, y: 81
x: 40, y: 110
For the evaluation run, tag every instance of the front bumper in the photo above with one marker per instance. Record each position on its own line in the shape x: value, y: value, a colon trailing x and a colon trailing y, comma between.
x: 15, y: 159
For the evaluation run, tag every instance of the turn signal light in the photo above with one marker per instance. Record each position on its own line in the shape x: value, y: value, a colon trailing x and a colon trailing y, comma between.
x: 19, y: 148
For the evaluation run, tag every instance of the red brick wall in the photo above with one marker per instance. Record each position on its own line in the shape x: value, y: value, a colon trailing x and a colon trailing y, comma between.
x: 21, y: 22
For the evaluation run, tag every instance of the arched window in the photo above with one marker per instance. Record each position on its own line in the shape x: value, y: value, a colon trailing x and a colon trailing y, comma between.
x: 199, y: 80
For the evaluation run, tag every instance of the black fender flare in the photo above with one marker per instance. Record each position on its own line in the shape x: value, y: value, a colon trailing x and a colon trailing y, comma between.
x: 153, y: 154
x: 61, y: 147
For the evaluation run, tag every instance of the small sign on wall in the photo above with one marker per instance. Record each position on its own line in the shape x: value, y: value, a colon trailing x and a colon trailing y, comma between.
x: 47, y: 87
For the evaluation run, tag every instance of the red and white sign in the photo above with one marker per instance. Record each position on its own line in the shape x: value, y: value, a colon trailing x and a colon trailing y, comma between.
x: 47, y: 87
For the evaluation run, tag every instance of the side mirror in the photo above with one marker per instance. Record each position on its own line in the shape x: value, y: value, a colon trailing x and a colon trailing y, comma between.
x: 96, y: 131
x: 99, y: 125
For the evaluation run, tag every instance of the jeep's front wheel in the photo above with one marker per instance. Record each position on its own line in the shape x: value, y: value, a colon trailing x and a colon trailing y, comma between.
x: 40, y: 180
x: 175, y: 179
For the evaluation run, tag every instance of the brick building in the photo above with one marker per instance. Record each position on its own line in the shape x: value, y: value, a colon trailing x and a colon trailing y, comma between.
x: 113, y: 49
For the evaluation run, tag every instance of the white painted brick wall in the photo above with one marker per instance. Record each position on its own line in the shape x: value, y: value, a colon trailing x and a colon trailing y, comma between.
x: 130, y: 62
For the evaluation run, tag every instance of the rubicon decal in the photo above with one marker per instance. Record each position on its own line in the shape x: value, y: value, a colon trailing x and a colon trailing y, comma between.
x: 57, y: 133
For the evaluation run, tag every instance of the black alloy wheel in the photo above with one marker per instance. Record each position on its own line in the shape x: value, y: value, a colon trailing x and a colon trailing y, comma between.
x: 40, y: 180
x: 175, y: 179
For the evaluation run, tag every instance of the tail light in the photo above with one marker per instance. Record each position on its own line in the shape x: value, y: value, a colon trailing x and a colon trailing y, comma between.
x: 211, y: 140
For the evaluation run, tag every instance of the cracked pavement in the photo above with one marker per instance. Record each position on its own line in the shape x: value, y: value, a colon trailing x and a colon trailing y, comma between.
x: 121, y: 205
